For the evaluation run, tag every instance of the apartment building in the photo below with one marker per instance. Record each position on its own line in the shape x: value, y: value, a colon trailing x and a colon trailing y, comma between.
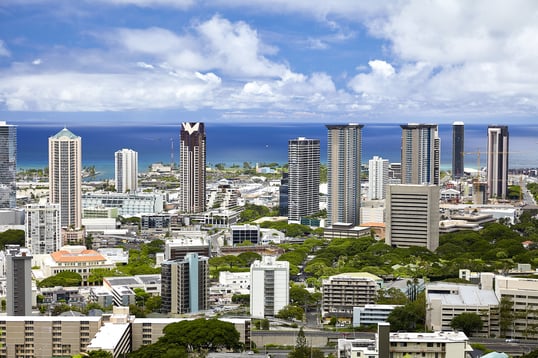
x: 341, y: 293
x: 44, y: 336
x: 269, y: 286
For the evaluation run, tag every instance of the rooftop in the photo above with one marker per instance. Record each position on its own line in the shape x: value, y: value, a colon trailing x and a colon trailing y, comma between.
x: 462, y: 294
x: 64, y: 134
x: 83, y: 256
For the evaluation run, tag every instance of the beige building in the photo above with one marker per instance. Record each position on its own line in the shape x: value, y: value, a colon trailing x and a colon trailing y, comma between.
x: 429, y: 345
x: 65, y: 176
x: 44, y: 337
x: 522, y: 293
x: 412, y: 216
x: 444, y: 301
x: 347, y: 290
x: 75, y: 259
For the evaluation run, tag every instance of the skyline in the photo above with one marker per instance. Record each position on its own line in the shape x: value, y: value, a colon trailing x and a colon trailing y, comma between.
x: 168, y: 61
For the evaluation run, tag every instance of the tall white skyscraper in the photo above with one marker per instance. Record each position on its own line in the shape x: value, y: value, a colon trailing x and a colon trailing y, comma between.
x: 126, y: 174
x: 497, y: 165
x: 65, y: 176
x: 192, y: 176
x: 8, y: 165
x: 269, y: 287
x: 43, y: 234
x: 420, y: 154
x: 303, y: 184
x: 344, y: 173
x: 378, y: 178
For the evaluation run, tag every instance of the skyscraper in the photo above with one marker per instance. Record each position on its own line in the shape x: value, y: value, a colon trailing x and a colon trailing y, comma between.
x: 457, y: 149
x: 412, y: 215
x: 65, y: 176
x: 497, y: 165
x: 344, y: 173
x: 126, y: 164
x: 269, y: 287
x: 43, y: 234
x: 378, y: 178
x: 19, y: 281
x: 303, y: 185
x: 8, y: 165
x: 420, y: 154
x: 185, y: 284
x: 192, y: 154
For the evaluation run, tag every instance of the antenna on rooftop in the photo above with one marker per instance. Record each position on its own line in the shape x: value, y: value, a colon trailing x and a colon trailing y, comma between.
x: 171, y: 153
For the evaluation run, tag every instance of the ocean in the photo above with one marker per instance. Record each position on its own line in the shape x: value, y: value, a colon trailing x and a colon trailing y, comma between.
x: 254, y: 143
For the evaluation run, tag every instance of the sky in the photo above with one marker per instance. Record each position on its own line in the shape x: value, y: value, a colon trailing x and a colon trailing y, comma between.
x: 101, y: 62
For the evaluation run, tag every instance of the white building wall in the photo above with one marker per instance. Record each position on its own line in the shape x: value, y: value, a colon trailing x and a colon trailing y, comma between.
x: 378, y: 178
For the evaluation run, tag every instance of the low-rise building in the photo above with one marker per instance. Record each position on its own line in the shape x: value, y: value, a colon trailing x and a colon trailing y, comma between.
x: 445, y: 300
x: 75, y: 259
x: 345, y: 230
x: 371, y: 314
x: 242, y: 233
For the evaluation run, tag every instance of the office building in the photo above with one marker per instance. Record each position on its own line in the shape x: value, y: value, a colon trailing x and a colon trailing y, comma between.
x: 303, y: 184
x: 497, y: 164
x: 247, y: 232
x: 420, y: 154
x: 19, y: 281
x: 269, y: 287
x: 445, y: 300
x: 371, y: 314
x: 412, y: 216
x: 65, y: 176
x: 43, y: 231
x: 126, y: 174
x: 185, y: 284
x: 344, y: 173
x: 378, y: 178
x: 458, y: 149
x: 8, y: 165
x: 127, y: 204
x: 192, y: 166
x: 341, y: 293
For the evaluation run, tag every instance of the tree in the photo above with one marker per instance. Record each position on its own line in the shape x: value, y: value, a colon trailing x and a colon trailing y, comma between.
x: 391, y: 296
x: 410, y: 317
x: 99, y: 354
x: 468, y: 322
x: 11, y: 237
x: 507, y: 316
x: 301, y: 349
x: 64, y: 278
x: 291, y: 312
x: 201, y: 334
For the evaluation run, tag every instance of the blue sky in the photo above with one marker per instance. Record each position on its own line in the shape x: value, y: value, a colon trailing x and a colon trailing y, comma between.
x: 275, y: 61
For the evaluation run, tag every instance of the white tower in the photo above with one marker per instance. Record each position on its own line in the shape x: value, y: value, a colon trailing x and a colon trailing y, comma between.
x: 378, y: 178
x: 126, y: 174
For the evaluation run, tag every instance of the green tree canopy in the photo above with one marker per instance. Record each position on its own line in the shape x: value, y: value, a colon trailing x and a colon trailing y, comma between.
x: 64, y: 278
x: 468, y: 322
x: 11, y: 237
